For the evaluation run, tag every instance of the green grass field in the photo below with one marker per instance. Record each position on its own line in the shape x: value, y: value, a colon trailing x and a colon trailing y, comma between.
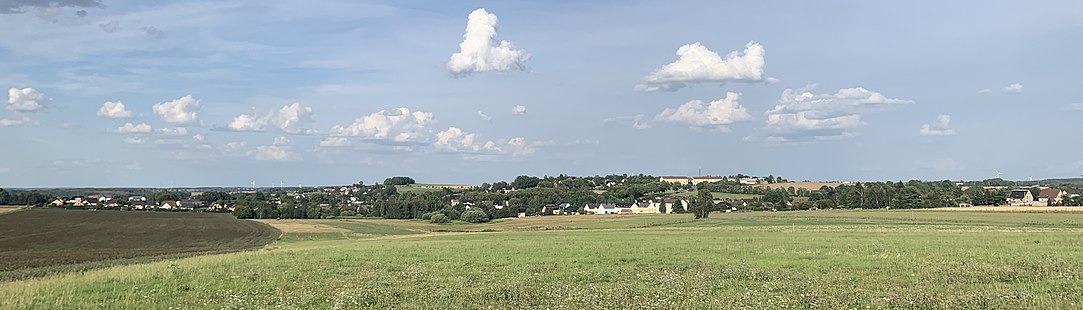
x: 815, y: 259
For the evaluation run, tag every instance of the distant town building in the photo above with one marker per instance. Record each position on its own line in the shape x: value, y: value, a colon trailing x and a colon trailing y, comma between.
x: 1051, y: 196
x: 706, y: 179
x: 675, y: 179
x: 1020, y: 197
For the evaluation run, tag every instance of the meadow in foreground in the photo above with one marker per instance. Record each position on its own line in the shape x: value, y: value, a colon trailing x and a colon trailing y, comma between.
x: 841, y: 259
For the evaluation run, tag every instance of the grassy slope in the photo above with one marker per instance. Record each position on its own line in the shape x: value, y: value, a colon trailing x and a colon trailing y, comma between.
x: 921, y: 259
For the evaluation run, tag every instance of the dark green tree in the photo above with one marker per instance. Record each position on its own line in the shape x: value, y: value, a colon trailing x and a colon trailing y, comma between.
x: 703, y: 204
x: 398, y: 181
x: 474, y: 215
x: 525, y: 182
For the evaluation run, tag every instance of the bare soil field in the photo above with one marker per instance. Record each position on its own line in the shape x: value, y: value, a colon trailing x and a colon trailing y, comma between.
x: 50, y: 237
x: 303, y: 226
x: 6, y: 209
x: 805, y: 185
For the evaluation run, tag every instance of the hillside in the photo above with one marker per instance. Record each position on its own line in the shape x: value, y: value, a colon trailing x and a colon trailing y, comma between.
x: 50, y: 237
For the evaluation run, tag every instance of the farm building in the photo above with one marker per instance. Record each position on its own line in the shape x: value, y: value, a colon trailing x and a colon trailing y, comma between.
x: 675, y: 179
x: 1020, y: 197
x: 1051, y: 196
x: 600, y: 208
x: 706, y: 179
x: 644, y: 207
x: 560, y: 209
x: 751, y: 181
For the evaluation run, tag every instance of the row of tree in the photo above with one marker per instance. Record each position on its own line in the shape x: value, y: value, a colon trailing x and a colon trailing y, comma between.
x: 28, y: 198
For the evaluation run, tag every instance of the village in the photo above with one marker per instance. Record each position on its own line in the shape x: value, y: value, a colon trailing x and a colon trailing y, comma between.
x: 353, y: 199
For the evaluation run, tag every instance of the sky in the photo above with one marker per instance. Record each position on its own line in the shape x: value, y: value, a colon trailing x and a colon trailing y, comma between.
x: 108, y: 93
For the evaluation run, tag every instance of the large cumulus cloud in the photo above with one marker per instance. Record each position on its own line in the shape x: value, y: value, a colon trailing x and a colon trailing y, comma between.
x: 697, y: 64
x: 480, y: 51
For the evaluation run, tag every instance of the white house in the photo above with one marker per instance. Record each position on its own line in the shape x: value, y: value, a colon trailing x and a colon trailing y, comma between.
x: 670, y: 205
x: 1020, y: 197
x: 601, y: 208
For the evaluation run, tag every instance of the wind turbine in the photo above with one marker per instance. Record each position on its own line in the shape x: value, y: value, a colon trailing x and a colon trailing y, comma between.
x: 253, y: 184
x: 998, y: 173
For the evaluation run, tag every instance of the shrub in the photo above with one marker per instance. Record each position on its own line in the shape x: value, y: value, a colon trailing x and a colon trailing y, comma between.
x: 452, y: 214
x: 474, y: 216
x: 348, y: 213
x: 426, y: 216
x: 439, y: 219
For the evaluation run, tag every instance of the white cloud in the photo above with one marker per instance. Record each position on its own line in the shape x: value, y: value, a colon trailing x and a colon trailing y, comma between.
x: 5, y: 122
x: 110, y: 27
x: 282, y: 141
x: 175, y: 131
x: 718, y: 113
x: 1078, y: 106
x: 233, y: 147
x: 247, y: 122
x: 135, y: 140
x: 635, y: 120
x: 480, y: 52
x: 111, y: 109
x: 1014, y: 88
x: 941, y: 128
x: 19, y: 6
x: 181, y: 111
x: 27, y: 100
x: 399, y: 125
x: 334, y: 142
x: 802, y: 114
x: 154, y: 32
x: 518, y: 147
x: 806, y: 121
x: 455, y: 139
x: 484, y: 116
x: 518, y: 110
x: 290, y: 119
x: 132, y: 128
x: 280, y: 150
x: 985, y: 91
x: 458, y: 141
x: 198, y: 137
x: 697, y: 64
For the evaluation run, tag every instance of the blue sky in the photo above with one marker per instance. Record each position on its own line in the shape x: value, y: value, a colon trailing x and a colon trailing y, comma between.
x: 226, y: 93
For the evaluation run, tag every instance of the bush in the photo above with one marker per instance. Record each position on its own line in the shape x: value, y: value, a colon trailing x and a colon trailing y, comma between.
x: 474, y: 216
x: 439, y: 219
x: 452, y: 214
x: 348, y: 213
x: 426, y: 216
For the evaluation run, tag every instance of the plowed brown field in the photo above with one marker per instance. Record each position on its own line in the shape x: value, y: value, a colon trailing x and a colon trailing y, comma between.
x: 49, y: 237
